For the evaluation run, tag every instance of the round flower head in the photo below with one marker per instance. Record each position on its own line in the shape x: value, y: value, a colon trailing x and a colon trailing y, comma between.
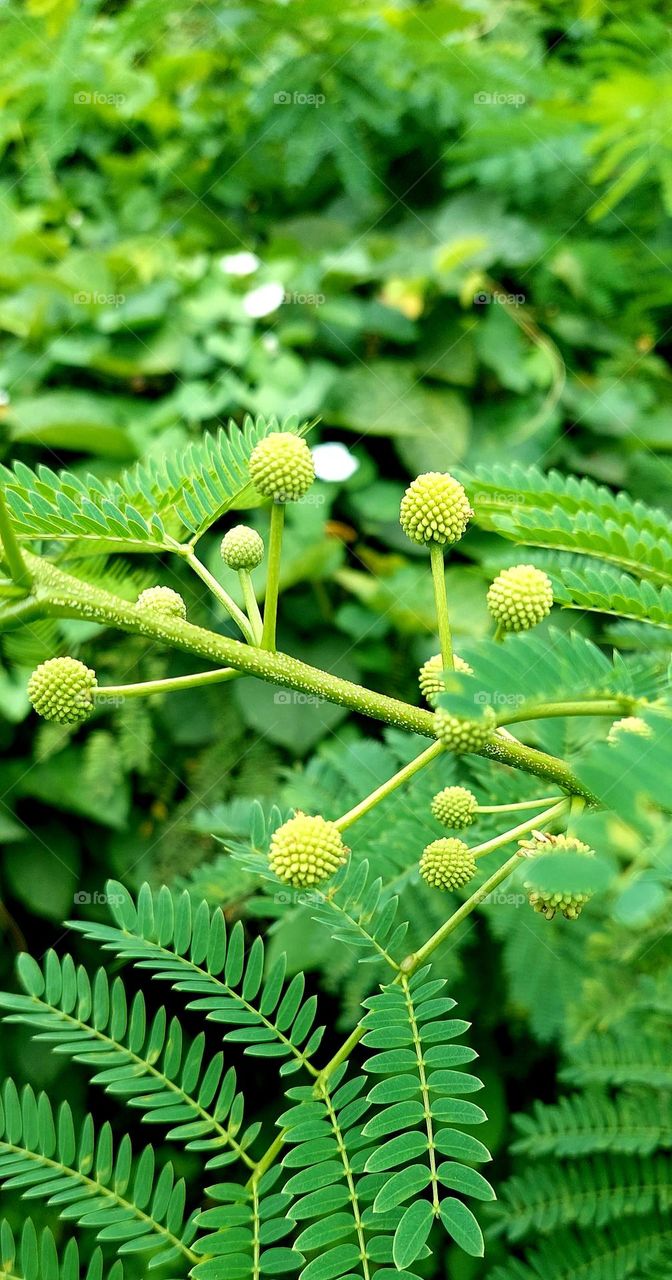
x: 447, y: 864
x: 61, y: 689
x: 242, y: 548
x: 435, y: 508
x: 547, y: 904
x: 281, y: 467
x: 455, y: 807
x: 305, y: 851
x: 629, y: 724
x: 430, y: 676
x: 520, y: 597
x: 464, y: 735
x: 162, y: 600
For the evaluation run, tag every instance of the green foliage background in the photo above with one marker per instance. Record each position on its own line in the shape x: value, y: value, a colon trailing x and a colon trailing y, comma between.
x: 460, y: 222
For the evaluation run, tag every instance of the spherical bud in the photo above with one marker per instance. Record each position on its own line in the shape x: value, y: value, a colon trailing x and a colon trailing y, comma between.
x: 629, y: 724
x: 455, y: 807
x: 162, y: 600
x: 242, y: 548
x: 281, y: 467
x: 520, y: 597
x: 430, y: 676
x: 464, y: 735
x: 547, y: 904
x: 305, y: 851
x: 447, y: 864
x: 61, y: 689
x: 435, y: 508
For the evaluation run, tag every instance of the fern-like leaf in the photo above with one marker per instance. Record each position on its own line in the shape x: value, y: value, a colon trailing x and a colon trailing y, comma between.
x: 33, y: 1257
x: 138, y: 1209
x: 150, y: 507
x: 191, y: 950
x: 603, y: 590
x: 149, y: 1067
x: 421, y: 1099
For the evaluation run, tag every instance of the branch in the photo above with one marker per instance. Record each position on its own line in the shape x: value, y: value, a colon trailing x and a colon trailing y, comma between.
x: 61, y: 595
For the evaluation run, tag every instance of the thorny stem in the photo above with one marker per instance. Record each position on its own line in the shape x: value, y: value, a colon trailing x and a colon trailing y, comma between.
x: 220, y: 594
x: 60, y: 595
x: 441, y: 601
x: 273, y: 576
x: 392, y: 783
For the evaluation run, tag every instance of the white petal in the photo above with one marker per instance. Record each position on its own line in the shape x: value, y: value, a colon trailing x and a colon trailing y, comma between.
x: 261, y: 301
x: 334, y: 462
x: 239, y: 264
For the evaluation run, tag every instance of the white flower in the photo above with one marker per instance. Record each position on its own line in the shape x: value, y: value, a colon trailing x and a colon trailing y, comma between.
x: 261, y: 301
x: 239, y: 264
x: 334, y: 462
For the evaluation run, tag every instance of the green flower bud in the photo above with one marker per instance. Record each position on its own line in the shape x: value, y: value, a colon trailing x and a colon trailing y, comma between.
x: 162, y: 600
x: 464, y: 735
x: 455, y: 807
x: 61, y: 689
x: 281, y: 467
x: 430, y: 676
x: 242, y: 548
x: 547, y: 904
x: 305, y: 851
x: 435, y: 508
x: 447, y: 864
x: 520, y: 597
x: 629, y: 724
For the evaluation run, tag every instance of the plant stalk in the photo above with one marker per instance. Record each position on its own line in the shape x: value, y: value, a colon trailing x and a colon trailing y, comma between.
x: 60, y: 595
x: 590, y: 707
x: 171, y: 684
x: 220, y: 594
x: 441, y: 601
x: 13, y: 553
x: 251, y: 605
x: 521, y: 829
x: 369, y: 802
x: 273, y: 576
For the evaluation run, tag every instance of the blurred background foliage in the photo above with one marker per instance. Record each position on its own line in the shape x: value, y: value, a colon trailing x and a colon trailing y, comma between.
x: 443, y: 230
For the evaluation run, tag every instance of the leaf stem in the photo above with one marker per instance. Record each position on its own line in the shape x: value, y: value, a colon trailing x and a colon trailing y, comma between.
x: 171, y: 684
x: 622, y: 705
x: 220, y: 594
x: 561, y: 806
x: 418, y: 958
x: 385, y: 789
x: 13, y: 554
x: 441, y: 601
x: 520, y: 804
x: 251, y: 605
x: 273, y: 576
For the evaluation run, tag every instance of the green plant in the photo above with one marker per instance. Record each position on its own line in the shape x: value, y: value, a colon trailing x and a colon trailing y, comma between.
x: 361, y: 1152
